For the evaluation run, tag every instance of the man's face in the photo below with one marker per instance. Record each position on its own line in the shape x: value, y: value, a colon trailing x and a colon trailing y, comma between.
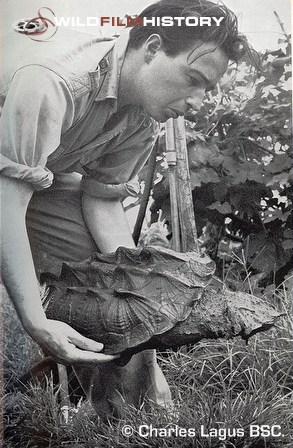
x: 170, y: 86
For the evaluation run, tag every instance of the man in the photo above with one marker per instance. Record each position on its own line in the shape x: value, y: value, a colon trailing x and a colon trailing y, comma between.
x: 78, y: 123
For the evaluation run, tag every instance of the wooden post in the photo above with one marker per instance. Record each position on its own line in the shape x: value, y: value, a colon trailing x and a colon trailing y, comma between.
x: 184, y: 196
x: 64, y: 392
x: 171, y: 160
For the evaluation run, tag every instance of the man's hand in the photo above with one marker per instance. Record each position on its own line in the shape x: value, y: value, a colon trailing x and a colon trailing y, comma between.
x: 67, y: 346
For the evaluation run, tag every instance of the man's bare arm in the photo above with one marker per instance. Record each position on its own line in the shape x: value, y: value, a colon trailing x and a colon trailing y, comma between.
x: 59, y: 339
x: 106, y: 220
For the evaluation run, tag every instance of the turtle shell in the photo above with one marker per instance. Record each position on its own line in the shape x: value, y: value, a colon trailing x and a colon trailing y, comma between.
x: 125, y: 298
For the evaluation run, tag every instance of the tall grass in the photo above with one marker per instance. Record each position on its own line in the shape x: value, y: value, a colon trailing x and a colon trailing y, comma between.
x: 217, y: 384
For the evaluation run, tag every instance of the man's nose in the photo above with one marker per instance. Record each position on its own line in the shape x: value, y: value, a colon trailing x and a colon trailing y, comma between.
x: 195, y: 100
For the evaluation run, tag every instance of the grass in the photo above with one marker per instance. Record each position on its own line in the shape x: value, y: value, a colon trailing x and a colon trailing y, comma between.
x: 217, y: 384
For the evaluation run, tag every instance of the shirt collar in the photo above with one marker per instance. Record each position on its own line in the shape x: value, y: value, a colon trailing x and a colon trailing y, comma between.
x: 110, y: 69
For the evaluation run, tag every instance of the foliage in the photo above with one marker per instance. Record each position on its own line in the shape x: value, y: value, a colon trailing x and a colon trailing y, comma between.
x: 240, y: 167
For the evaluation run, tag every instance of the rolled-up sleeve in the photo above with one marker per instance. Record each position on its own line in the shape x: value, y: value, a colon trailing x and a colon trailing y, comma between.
x: 115, y: 174
x: 38, y: 108
x: 101, y: 190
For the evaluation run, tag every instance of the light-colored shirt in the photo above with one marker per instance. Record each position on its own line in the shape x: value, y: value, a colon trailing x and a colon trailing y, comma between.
x: 60, y: 114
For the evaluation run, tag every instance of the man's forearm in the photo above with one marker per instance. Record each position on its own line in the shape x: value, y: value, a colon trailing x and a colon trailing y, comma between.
x: 18, y: 273
x: 107, y: 223
x: 17, y: 266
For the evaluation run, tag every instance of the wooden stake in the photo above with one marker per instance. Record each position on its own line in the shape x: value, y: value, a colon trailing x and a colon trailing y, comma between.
x: 171, y: 160
x: 64, y: 392
x: 184, y: 196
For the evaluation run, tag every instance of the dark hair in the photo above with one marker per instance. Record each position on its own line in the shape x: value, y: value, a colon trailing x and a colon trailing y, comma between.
x: 179, y: 38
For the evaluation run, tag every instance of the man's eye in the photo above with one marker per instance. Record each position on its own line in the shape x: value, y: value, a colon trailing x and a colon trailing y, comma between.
x: 199, y: 83
x: 193, y: 81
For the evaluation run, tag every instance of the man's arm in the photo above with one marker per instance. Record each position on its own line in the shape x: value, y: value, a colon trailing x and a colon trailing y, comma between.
x: 59, y: 339
x: 106, y: 220
x: 38, y: 107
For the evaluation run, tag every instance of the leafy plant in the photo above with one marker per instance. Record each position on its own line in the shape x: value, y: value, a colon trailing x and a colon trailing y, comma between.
x: 241, y: 168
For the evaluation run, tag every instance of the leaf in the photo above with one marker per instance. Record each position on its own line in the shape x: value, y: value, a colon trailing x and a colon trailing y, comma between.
x: 212, y: 176
x: 286, y: 84
x: 220, y: 191
x: 288, y: 233
x: 281, y: 162
x: 269, y: 90
x: 195, y: 180
x: 203, y: 175
x: 255, y: 175
x: 246, y: 198
x: 286, y: 215
x: 272, y: 215
x: 224, y: 208
x: 287, y: 244
x: 278, y: 179
x: 264, y: 253
x: 230, y: 165
x: 203, y: 153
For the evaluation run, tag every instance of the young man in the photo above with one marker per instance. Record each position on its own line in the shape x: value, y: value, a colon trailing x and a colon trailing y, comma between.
x: 78, y: 123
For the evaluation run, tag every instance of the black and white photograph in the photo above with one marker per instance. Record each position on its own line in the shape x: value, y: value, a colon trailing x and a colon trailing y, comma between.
x: 146, y: 224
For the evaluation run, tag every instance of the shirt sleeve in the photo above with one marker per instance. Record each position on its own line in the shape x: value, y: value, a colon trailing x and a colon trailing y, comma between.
x: 37, y: 110
x: 115, y: 175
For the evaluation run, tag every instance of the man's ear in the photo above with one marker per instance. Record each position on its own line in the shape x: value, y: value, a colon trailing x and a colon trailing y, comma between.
x: 152, y: 45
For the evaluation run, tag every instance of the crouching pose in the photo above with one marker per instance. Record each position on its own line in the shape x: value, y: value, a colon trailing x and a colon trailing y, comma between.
x: 80, y: 117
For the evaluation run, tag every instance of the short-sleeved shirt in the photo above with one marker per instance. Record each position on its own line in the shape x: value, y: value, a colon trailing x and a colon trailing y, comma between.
x: 61, y: 114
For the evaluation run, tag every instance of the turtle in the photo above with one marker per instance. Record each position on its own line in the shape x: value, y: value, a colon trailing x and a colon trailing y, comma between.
x: 154, y: 297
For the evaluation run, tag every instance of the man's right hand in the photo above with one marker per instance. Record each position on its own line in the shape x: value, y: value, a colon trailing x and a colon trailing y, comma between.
x: 67, y: 346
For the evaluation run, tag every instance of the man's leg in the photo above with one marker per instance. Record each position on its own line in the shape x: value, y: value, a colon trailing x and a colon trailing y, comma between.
x: 58, y: 234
